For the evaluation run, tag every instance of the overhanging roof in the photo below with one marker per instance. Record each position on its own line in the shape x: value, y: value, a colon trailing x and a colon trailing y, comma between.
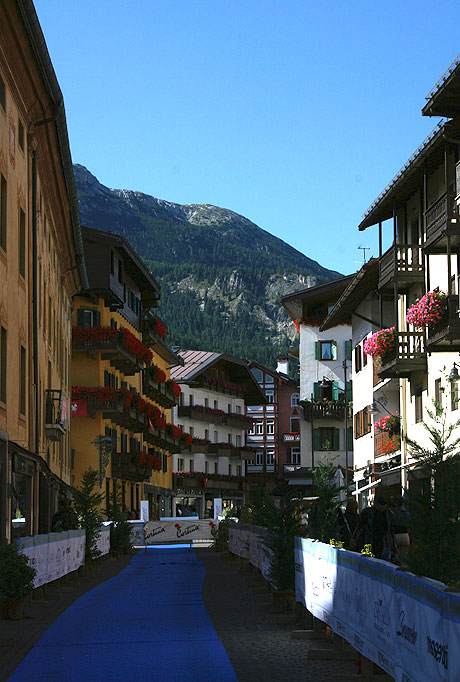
x: 317, y: 295
x: 365, y: 280
x: 444, y: 98
x: 409, y: 178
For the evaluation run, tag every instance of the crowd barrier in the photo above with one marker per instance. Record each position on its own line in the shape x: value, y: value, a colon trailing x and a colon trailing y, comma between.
x: 250, y: 542
x: 178, y: 530
x: 409, y: 626
x: 54, y: 555
x: 103, y: 541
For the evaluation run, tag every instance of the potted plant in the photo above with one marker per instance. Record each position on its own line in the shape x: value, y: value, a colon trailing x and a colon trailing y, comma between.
x: 16, y: 580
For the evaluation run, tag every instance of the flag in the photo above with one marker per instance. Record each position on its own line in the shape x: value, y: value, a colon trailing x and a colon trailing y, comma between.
x: 80, y: 408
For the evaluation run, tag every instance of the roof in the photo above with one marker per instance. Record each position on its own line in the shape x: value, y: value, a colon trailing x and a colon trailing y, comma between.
x: 409, y: 178
x: 322, y: 293
x: 365, y: 280
x: 197, y: 361
x: 444, y: 98
x: 133, y: 263
x: 278, y: 375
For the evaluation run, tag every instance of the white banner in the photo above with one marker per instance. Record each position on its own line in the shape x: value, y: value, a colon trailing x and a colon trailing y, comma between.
x: 407, y: 625
x: 159, y: 532
x: 103, y: 541
x: 250, y: 542
x: 54, y: 555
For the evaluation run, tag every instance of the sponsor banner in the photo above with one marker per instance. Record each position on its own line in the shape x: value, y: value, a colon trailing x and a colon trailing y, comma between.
x: 407, y: 625
x: 54, y: 555
x: 251, y: 542
x: 103, y: 541
x: 160, y: 532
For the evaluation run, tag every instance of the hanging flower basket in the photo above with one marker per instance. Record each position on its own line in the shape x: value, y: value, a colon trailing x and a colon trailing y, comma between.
x: 428, y: 311
x: 388, y: 424
x: 380, y: 344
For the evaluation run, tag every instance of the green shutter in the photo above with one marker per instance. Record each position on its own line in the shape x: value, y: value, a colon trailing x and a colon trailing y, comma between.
x: 335, y: 390
x: 349, y: 391
x: 316, y: 391
x: 334, y: 350
x: 316, y: 439
x: 317, y: 350
x: 348, y: 350
x: 350, y: 438
x: 335, y: 439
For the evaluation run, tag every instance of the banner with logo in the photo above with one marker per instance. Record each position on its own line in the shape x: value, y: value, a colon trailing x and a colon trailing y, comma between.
x: 407, y: 625
x: 103, y: 541
x: 251, y: 542
x: 54, y: 555
x: 161, y: 532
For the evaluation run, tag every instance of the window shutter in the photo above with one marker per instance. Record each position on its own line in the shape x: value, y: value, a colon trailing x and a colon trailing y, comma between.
x: 80, y: 317
x: 334, y: 349
x: 335, y: 390
x: 316, y: 391
x: 350, y: 438
x: 348, y: 391
x: 106, y: 378
x: 348, y: 350
x: 165, y: 463
x: 317, y: 350
x: 336, y: 439
x: 316, y: 439
x: 96, y: 318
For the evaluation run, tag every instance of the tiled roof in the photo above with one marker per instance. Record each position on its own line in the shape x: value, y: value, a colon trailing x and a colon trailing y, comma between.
x: 194, y: 360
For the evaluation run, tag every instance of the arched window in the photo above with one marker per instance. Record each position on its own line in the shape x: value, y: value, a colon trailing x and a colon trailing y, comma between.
x: 295, y: 400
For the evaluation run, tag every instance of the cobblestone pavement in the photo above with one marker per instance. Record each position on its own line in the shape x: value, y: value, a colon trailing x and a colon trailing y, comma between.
x: 257, y: 640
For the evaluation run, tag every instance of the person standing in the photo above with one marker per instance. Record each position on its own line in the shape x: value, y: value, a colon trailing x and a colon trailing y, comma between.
x: 376, y: 529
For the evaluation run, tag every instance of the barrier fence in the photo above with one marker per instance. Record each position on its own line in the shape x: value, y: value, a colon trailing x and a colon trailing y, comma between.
x: 175, y: 531
x: 409, y: 626
x: 54, y: 555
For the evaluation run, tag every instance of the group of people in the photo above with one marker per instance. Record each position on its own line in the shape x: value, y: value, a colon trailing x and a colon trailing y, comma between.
x: 384, y: 526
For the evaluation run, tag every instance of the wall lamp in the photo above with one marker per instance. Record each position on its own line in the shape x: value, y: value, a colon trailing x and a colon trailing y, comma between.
x: 373, y: 409
x: 454, y: 375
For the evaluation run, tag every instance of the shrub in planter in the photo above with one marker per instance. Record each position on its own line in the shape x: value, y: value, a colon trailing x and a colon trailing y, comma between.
x: 16, y: 577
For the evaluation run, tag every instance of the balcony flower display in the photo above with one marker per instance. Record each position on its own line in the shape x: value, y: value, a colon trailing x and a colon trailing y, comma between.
x: 381, y: 343
x: 199, y: 441
x: 100, y: 335
x: 158, y: 375
x: 388, y: 424
x: 160, y: 328
x: 208, y: 410
x: 428, y: 310
x: 104, y: 394
x: 176, y: 389
x: 391, y: 445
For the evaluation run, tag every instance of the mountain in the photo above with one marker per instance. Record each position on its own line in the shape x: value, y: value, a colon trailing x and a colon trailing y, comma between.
x: 221, y: 275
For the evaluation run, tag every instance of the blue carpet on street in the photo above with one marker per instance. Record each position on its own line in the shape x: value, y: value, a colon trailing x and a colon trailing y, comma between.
x: 147, y: 623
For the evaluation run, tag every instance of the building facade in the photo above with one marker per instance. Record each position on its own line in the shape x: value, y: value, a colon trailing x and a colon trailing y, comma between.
x: 41, y: 268
x: 122, y: 394
x: 216, y: 388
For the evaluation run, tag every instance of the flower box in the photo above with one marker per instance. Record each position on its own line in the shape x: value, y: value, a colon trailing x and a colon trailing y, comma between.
x: 381, y: 344
x: 428, y: 311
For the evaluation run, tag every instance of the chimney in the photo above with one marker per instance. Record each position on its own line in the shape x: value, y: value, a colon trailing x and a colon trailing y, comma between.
x: 283, y: 365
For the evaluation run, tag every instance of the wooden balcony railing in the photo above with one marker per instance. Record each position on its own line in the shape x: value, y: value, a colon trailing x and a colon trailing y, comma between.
x: 125, y: 467
x: 403, y: 264
x: 446, y: 335
x: 160, y: 392
x: 200, y: 413
x: 409, y: 355
x: 441, y: 220
x: 321, y: 410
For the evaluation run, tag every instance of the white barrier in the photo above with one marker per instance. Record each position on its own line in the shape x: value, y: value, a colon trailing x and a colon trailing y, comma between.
x: 54, y: 555
x: 186, y: 531
x: 250, y: 542
x: 103, y: 541
x: 407, y: 625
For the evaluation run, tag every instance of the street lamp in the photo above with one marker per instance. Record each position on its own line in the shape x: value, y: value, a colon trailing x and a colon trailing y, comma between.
x: 454, y: 375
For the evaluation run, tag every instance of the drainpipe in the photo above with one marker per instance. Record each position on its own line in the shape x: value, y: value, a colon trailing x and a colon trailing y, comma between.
x: 35, y: 302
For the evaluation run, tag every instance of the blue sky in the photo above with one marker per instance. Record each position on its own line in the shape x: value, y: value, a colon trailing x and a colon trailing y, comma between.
x: 293, y: 113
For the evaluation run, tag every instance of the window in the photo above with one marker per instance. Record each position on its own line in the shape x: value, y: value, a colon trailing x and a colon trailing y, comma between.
x: 454, y: 395
x: 190, y: 400
x: 325, y: 350
x: 22, y: 378
x: 229, y: 408
x: 206, y: 467
x: 165, y: 462
x: 87, y: 317
x: 358, y: 359
x: 269, y: 379
x: 270, y: 428
x: 238, y: 409
x: 238, y: 469
x: 252, y: 430
x: 270, y: 457
x: 259, y: 457
x: 3, y: 365
x: 206, y: 434
x: 22, y: 243
x: 418, y: 405
x: 362, y: 421
x: 216, y: 437
x: 180, y: 464
x: 191, y: 465
x: 21, y: 134
x: 112, y: 263
x: 257, y: 374
x: 259, y: 428
x: 2, y: 94
x: 295, y: 397
x: 438, y: 392
x: 238, y: 441
x: 120, y: 271
x: 295, y: 425
x: 294, y: 455
x: 206, y: 402
x: 229, y: 438
x: 3, y: 188
x: 216, y: 468
x: 192, y: 430
x: 216, y: 405
x: 326, y: 439
x: 270, y: 395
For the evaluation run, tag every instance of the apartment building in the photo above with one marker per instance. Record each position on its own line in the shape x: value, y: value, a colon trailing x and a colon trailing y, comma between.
x: 122, y: 393
x: 216, y: 390
x: 41, y: 268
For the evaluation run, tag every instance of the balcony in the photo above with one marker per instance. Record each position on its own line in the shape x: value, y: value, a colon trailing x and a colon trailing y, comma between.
x: 314, y: 411
x: 442, y: 222
x: 402, y: 265
x: 238, y: 421
x: 381, y: 448
x: 161, y: 392
x: 408, y: 356
x: 201, y: 413
x: 125, y: 467
x: 121, y: 348
x: 291, y: 437
x: 55, y: 414
x: 153, y: 329
x: 162, y: 439
x: 446, y: 335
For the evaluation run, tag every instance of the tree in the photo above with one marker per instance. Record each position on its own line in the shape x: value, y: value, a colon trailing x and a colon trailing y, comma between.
x: 87, y: 504
x: 120, y: 530
x: 435, y: 511
x: 285, y: 525
x: 323, y: 520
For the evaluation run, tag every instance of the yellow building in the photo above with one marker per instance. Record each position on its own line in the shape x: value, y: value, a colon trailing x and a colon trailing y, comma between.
x: 41, y: 268
x: 121, y: 391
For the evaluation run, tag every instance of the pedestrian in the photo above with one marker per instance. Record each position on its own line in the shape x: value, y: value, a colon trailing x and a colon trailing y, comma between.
x: 401, y: 523
x: 348, y: 523
x: 376, y: 529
